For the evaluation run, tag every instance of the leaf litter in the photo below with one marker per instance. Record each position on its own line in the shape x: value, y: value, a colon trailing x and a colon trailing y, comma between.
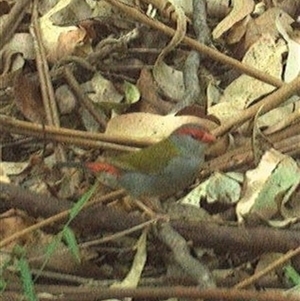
x: 136, y: 75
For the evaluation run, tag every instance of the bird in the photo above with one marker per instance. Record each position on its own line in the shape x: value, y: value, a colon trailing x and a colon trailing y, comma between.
x: 159, y: 170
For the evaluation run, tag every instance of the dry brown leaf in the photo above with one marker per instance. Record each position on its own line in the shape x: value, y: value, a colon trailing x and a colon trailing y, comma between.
x: 60, y: 41
x: 73, y: 42
x: 265, y: 24
x: 291, y: 7
x: 28, y: 98
x: 150, y: 101
x: 13, y: 221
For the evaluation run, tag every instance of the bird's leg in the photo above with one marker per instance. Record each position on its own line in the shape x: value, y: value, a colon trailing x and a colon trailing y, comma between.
x: 150, y: 206
x: 147, y: 210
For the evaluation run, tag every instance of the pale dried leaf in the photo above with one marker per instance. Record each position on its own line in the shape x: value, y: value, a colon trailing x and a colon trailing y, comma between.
x: 292, y: 68
x: 265, y: 24
x: 99, y: 89
x: 13, y: 168
x: 275, y: 116
x: 65, y: 99
x: 139, y: 125
x: 174, y: 88
x: 240, y: 10
x: 133, y: 277
x: 265, y: 55
x: 70, y: 14
x: 21, y: 43
x: 266, y: 186
x: 221, y: 188
x: 237, y: 31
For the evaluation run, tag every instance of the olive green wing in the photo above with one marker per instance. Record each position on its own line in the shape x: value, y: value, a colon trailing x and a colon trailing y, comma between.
x: 147, y: 160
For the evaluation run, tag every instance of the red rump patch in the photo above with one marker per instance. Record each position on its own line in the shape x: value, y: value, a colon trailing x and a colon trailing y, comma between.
x: 198, y: 134
x: 97, y: 167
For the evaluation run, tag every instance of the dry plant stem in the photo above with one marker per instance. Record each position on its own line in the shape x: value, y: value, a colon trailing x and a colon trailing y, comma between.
x: 78, y: 61
x: 111, y: 45
x: 214, y: 54
x: 9, y: 23
x: 43, y: 71
x: 149, y: 293
x: 147, y: 210
x: 278, y: 137
x: 119, y: 234
x: 84, y: 100
x: 58, y: 277
x: 268, y: 103
x: 287, y: 121
x: 88, y: 221
x: 185, y: 292
x: 277, y: 263
x: 58, y: 217
x: 65, y: 135
x: 96, y: 57
x: 253, y: 240
x: 233, y: 159
x: 45, y: 79
x: 239, y: 156
x: 243, y: 156
x: 204, y: 234
x: 291, y: 145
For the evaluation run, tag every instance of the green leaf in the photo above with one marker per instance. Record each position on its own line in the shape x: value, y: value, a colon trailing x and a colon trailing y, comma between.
x: 26, y: 278
x: 66, y: 232
x: 132, y: 93
x: 292, y: 274
x: 71, y: 242
x: 78, y: 206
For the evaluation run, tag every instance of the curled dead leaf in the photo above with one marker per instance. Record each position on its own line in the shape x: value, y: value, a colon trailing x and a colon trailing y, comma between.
x: 73, y: 42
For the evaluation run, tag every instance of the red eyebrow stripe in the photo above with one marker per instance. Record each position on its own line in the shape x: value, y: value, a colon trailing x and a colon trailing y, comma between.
x: 198, y: 134
x: 97, y: 167
x: 207, y: 137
